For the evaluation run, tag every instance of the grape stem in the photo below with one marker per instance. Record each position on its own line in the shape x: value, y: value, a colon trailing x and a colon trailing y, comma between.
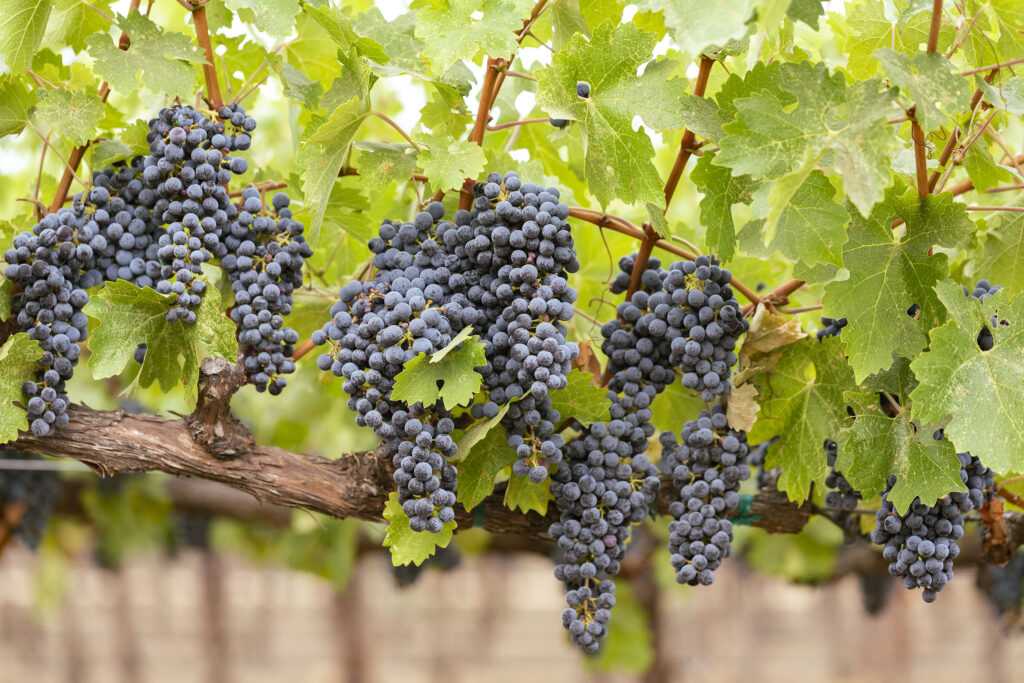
x: 686, y: 146
x: 75, y: 158
x: 625, y: 227
x: 39, y: 206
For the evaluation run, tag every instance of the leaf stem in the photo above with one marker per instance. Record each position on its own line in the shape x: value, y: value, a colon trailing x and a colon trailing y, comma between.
x: 519, y: 74
x: 391, y: 122
x: 40, y: 208
x: 513, y: 124
x: 920, y: 154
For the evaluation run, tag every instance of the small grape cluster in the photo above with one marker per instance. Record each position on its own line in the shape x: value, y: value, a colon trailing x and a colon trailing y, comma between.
x: 767, y: 477
x: 831, y: 327
x: 710, y: 322
x: 842, y: 495
x: 707, y: 470
x: 37, y: 490
x: 921, y: 544
x: 265, y: 253
x: 47, y: 267
x: 375, y: 329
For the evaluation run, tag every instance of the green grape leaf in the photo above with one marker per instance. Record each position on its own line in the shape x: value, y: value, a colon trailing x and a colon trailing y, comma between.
x: 582, y: 400
x: 380, y: 163
x: 300, y: 87
x: 802, y: 403
x: 448, y: 162
x: 728, y: 21
x: 105, y: 152
x: 19, y: 357
x: 812, y: 226
x: 481, y: 466
x: 618, y: 159
x: 1002, y: 254
x: 276, y: 17
x: 983, y: 170
x: 6, y: 287
x: 71, y: 115
x: 981, y: 393
x: 458, y: 29
x: 809, y: 114
x: 16, y: 101
x: 408, y: 546
x: 1008, y: 95
x: 525, y: 495
x: 72, y: 20
x: 721, y: 190
x: 322, y: 155
x: 890, y: 271
x: 315, y: 50
x: 125, y: 316
x: 807, y: 11
x: 930, y: 82
x: 22, y: 25
x: 874, y: 445
x: 396, y: 37
x: 158, y: 60
x: 903, y: 26
x: 448, y: 375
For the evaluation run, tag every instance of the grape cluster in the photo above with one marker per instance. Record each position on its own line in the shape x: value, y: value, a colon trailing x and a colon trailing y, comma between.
x: 37, y: 490
x: 605, y: 485
x: 153, y: 221
x: 188, y: 169
x: 265, y: 255
x: 709, y: 320
x: 48, y: 267
x: 375, y: 329
x: 707, y: 470
x: 982, y: 290
x: 445, y: 559
x: 842, y: 495
x: 921, y: 544
x: 511, y: 256
x: 767, y: 478
x: 1004, y: 586
x: 831, y: 327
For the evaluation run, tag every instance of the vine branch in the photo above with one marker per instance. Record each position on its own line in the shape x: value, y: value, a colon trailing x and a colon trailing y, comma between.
x: 686, y: 144
x: 75, y: 158
x: 209, y: 66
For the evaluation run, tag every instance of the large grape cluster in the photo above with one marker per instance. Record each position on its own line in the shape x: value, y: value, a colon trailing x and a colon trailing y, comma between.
x: 36, y: 490
x: 153, y: 221
x: 605, y: 485
x: 511, y: 255
x: 265, y: 253
x: 188, y: 169
x: 708, y: 467
x: 375, y: 329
